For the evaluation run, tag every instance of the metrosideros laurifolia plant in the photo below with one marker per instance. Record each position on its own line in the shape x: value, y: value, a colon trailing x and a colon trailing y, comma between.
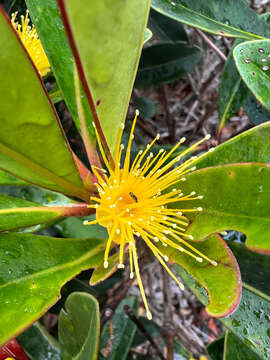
x: 174, y: 202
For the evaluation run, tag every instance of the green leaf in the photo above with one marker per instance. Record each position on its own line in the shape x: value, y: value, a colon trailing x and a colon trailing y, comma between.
x: 38, y: 195
x: 47, y: 19
x: 39, y: 344
x: 7, y: 179
x: 165, y: 62
x: 232, y: 91
x: 235, y: 197
x: 253, y: 309
x: 101, y: 273
x: 250, y: 146
x: 146, y: 107
x: 235, y: 349
x: 122, y: 332
x: 224, y: 296
x: 256, y: 113
x: 215, y: 349
x: 226, y: 18
x: 253, y: 63
x: 30, y: 132
x: 147, y: 35
x: 165, y: 28
x: 74, y: 228
x: 34, y: 268
x: 110, y: 68
x: 16, y: 213
x: 254, y: 267
x: 79, y: 327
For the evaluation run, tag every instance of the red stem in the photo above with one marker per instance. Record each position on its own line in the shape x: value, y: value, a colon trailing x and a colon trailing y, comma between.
x: 82, y: 76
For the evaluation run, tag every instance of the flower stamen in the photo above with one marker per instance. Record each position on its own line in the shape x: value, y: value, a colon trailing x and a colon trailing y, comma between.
x: 134, y: 200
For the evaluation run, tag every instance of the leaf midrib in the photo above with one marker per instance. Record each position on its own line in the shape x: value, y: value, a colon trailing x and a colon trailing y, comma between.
x: 225, y: 26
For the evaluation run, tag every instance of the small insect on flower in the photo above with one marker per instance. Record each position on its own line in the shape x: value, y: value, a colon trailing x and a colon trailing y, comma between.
x: 134, y: 204
x: 31, y: 42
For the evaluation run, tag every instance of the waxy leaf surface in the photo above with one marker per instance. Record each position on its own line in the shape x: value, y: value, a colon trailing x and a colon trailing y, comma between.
x: 236, y: 349
x: 79, y: 327
x: 223, y: 295
x: 254, y: 267
x: 7, y: 179
x: 165, y: 28
x: 32, y: 144
x: 33, y: 270
x: 16, y: 213
x: 101, y: 273
x: 165, y: 62
x: 109, y: 37
x: 250, y: 146
x: 249, y: 322
x: 37, y: 195
x: 236, y: 197
x: 253, y: 63
x: 39, y: 344
x: 226, y: 18
x: 232, y: 91
x: 47, y: 19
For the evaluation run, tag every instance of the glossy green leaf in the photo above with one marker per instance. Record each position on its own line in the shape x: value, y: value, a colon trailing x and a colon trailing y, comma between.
x: 226, y: 18
x: 253, y: 63
x: 36, y: 194
x: 256, y: 113
x: 253, y: 309
x: 232, y: 91
x: 254, y: 267
x: 146, y: 107
x: 47, y: 19
x: 215, y: 349
x: 250, y: 146
x: 74, y: 227
x: 235, y: 197
x: 110, y: 68
x: 33, y: 270
x: 165, y: 62
x: 30, y: 132
x: 122, y: 333
x: 79, y: 327
x: 235, y: 349
x: 101, y: 273
x: 224, y: 296
x: 39, y: 344
x: 7, y: 179
x: 165, y: 28
x: 147, y: 35
x: 16, y: 213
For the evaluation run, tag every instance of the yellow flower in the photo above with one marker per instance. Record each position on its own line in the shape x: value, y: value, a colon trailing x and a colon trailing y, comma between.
x: 31, y: 42
x: 134, y: 204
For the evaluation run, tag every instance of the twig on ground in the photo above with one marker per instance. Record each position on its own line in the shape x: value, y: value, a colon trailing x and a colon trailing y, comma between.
x: 211, y: 44
x: 143, y: 330
x: 167, y: 329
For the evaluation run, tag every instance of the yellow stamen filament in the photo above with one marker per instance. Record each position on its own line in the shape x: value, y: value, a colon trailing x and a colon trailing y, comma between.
x: 31, y: 42
x: 133, y: 203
